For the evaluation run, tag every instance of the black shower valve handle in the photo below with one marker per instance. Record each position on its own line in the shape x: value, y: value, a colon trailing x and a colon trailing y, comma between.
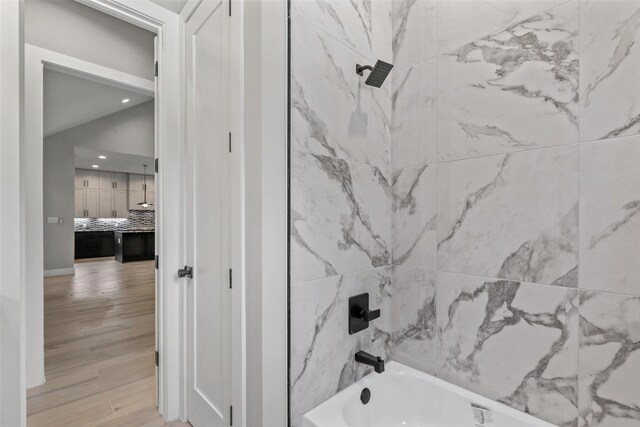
x: 359, y: 313
x: 367, y: 315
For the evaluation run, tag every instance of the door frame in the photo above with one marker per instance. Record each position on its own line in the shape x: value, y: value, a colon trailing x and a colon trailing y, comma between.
x: 13, y: 410
x: 169, y: 147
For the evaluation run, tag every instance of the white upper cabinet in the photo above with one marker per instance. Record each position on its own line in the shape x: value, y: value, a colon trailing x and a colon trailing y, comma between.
x: 113, y: 181
x: 120, y: 203
x: 79, y: 203
x: 106, y: 204
x: 92, y: 202
x: 93, y: 179
x: 121, y: 181
x: 136, y: 182
x: 106, y: 181
x: 81, y: 178
x: 87, y: 179
x: 102, y: 194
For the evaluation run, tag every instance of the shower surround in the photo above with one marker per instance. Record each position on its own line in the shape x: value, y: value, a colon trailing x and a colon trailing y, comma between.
x: 488, y: 198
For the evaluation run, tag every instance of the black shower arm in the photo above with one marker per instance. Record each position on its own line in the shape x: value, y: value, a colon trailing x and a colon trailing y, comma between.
x: 361, y: 68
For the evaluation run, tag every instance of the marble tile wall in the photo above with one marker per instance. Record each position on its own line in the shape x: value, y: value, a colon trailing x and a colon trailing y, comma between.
x: 515, y: 165
x: 341, y: 193
x: 487, y: 197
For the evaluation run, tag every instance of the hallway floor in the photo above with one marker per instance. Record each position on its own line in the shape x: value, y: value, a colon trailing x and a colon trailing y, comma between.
x: 99, y: 348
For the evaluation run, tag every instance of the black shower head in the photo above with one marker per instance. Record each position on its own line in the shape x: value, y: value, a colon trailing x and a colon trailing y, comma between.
x: 379, y: 72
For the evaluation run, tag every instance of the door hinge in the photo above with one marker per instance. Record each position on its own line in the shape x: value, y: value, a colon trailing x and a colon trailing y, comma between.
x: 156, y: 164
x: 156, y: 69
x: 229, y: 141
x: 157, y: 262
x: 230, y: 278
x: 231, y: 415
x: 157, y: 359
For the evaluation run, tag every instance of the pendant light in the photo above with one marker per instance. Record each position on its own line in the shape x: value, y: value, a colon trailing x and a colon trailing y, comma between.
x: 144, y: 203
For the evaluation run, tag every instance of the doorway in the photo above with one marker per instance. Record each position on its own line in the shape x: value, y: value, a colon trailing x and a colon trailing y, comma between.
x: 99, y: 291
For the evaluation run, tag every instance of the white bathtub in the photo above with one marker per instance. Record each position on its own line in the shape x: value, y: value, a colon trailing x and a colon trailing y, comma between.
x: 404, y: 397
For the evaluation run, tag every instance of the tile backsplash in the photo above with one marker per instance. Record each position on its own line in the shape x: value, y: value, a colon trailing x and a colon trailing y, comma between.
x: 137, y: 220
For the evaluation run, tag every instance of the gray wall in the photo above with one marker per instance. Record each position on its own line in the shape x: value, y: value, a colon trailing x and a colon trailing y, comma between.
x: 71, y: 28
x: 58, y: 175
x: 129, y: 131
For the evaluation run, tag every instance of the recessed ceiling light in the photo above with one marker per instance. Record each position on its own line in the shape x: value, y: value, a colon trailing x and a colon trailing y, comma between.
x: 95, y: 166
x: 124, y: 101
x: 102, y: 157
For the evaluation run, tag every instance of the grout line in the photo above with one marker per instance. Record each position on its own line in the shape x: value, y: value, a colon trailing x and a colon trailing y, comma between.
x: 501, y: 29
x: 298, y: 15
x: 364, y: 270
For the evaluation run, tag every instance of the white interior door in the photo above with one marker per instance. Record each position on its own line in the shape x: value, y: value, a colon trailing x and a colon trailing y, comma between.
x: 209, y: 363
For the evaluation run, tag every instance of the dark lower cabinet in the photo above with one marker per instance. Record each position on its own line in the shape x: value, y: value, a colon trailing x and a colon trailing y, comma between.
x: 134, y: 246
x: 93, y: 244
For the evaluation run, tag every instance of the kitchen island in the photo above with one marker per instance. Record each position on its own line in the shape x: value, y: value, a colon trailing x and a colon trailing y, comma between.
x: 134, y: 245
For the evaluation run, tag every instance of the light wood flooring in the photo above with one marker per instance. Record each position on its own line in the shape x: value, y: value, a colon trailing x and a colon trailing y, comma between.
x: 99, y: 349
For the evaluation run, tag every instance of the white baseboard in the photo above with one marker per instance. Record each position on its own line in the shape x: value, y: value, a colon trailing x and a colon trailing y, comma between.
x: 60, y: 272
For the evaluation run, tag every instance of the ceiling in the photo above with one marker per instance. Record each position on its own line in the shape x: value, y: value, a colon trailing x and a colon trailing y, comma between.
x: 70, y: 101
x: 173, y: 5
x: 85, y: 158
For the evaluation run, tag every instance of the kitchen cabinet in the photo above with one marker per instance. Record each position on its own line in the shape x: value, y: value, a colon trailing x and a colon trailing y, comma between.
x: 87, y: 179
x: 136, y: 182
x: 114, y: 181
x: 93, y: 244
x: 101, y: 194
x: 134, y: 245
x: 121, y: 203
x: 113, y: 204
x: 79, y: 208
x: 87, y: 203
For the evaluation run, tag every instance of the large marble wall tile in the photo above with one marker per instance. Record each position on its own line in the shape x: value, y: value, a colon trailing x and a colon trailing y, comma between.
x: 322, y: 351
x: 513, y: 342
x: 380, y: 119
x: 351, y: 22
x: 415, y: 115
x: 415, y: 31
x: 414, y: 217
x: 513, y: 90
x: 511, y: 216
x: 609, y: 360
x: 382, y: 31
x: 340, y: 216
x: 609, y: 64
x: 332, y: 111
x: 610, y: 216
x: 414, y: 338
x: 461, y: 21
